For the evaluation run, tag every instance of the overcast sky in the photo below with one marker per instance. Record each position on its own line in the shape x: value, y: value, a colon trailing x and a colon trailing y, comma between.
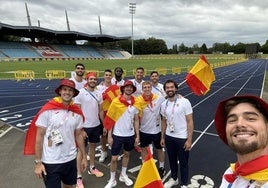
x: 175, y: 21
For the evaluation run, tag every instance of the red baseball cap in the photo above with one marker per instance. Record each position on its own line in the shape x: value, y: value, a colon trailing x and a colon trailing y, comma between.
x: 89, y: 74
x: 220, y: 115
x: 128, y: 83
x: 68, y: 83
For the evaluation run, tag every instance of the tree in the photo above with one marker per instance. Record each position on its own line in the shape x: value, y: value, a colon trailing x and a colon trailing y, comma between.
x: 183, y: 48
x: 203, y: 49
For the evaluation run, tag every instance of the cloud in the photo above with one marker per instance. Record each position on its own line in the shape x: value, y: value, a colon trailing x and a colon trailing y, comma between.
x: 175, y: 21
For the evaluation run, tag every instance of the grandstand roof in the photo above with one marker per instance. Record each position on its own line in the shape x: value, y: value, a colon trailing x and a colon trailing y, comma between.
x: 40, y: 32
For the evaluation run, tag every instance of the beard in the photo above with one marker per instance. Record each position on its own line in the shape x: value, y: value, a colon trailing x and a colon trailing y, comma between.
x: 171, y: 94
x: 244, y: 147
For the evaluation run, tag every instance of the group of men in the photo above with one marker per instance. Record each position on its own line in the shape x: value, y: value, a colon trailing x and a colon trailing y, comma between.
x: 136, y: 112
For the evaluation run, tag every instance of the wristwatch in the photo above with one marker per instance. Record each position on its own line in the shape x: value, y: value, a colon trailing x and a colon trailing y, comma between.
x: 37, y: 161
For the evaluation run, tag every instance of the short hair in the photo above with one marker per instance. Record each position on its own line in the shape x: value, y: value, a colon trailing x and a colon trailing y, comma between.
x: 80, y: 64
x: 140, y: 68
x: 118, y: 68
x: 154, y: 72
x: 233, y: 102
x: 171, y: 81
x: 146, y: 83
x: 108, y: 70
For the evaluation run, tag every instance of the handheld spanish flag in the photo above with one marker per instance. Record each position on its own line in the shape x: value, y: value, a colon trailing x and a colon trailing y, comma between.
x: 108, y: 95
x: 200, y: 77
x: 148, y: 176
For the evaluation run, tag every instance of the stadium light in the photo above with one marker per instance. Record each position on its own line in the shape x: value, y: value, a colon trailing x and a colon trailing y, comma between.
x: 132, y: 9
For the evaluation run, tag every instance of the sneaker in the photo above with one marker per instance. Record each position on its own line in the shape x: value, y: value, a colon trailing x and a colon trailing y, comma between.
x: 111, y: 183
x: 79, y: 183
x: 183, y: 186
x: 125, y: 179
x: 171, y: 182
x: 96, y: 172
x: 103, y: 156
x: 161, y: 172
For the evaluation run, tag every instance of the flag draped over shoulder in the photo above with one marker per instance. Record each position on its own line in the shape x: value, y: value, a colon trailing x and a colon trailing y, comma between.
x: 148, y: 176
x: 144, y: 102
x: 108, y: 95
x: 54, y: 104
x: 200, y: 77
x: 256, y: 169
x: 118, y: 106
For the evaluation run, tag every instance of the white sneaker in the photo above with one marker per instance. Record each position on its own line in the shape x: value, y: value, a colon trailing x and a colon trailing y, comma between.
x: 103, y: 156
x: 171, y: 182
x: 111, y: 183
x: 125, y: 179
x: 184, y: 186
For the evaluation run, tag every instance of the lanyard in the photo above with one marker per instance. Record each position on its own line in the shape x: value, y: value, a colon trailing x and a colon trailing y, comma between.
x: 173, y: 107
x: 92, y: 95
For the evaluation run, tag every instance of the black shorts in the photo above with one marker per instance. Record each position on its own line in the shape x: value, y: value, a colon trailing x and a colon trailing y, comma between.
x: 57, y: 173
x: 119, y: 141
x: 146, y: 139
x: 93, y: 135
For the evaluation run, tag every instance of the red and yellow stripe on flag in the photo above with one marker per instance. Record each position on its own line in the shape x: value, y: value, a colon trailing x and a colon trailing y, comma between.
x: 148, y: 176
x: 108, y: 95
x: 200, y: 77
x: 115, y: 111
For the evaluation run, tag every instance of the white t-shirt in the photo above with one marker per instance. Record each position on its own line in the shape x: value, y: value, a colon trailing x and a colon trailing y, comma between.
x: 138, y: 85
x: 120, y: 83
x: 101, y: 88
x: 175, y: 113
x: 150, y: 120
x: 66, y: 122
x: 240, y: 182
x: 79, y: 85
x: 90, y: 103
x: 124, y: 126
x: 158, y: 89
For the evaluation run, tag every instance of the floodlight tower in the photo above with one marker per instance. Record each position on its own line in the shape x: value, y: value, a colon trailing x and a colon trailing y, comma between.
x: 132, y: 9
x: 67, y: 20
x: 28, y: 15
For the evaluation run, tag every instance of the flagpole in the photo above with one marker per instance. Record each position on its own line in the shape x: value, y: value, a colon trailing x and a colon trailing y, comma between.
x: 182, y: 83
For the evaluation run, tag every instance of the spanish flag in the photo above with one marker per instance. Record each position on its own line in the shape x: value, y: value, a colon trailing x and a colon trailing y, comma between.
x: 148, y: 176
x: 108, y: 95
x: 200, y: 77
x: 118, y: 106
x: 54, y: 104
x: 144, y: 101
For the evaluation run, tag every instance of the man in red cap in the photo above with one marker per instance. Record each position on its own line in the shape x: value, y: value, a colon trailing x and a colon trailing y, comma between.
x: 90, y: 100
x: 122, y: 123
x: 242, y: 124
x: 52, y: 137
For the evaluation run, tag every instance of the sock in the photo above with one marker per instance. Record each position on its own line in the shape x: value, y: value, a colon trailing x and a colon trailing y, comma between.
x: 112, y: 175
x: 123, y: 171
x: 161, y: 164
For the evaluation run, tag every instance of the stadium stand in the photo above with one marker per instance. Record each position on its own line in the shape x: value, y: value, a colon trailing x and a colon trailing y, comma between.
x: 115, y: 54
x: 17, y: 50
x: 93, y: 52
x: 54, y: 44
x: 71, y: 51
x: 46, y: 50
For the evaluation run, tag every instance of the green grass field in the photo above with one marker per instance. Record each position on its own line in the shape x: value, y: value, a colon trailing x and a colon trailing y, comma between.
x: 149, y: 62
